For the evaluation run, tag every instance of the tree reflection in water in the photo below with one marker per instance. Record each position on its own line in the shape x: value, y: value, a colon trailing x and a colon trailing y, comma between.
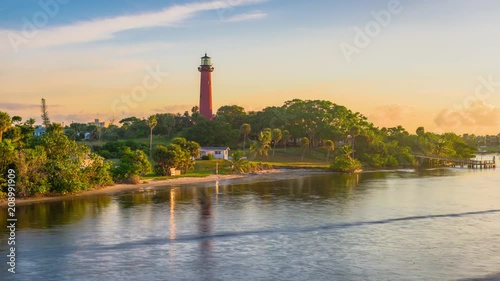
x: 205, y: 228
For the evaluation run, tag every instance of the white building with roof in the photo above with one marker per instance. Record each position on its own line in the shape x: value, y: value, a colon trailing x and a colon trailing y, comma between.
x: 217, y: 152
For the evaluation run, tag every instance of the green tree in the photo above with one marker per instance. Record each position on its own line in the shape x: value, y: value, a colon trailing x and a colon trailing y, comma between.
x: 33, y: 176
x: 5, y: 123
x: 56, y: 128
x: 30, y: 122
x: 304, y: 144
x: 132, y: 165
x: 276, y: 136
x: 212, y: 133
x: 9, y: 156
x: 71, y: 133
x: 261, y: 145
x: 8, y: 160
x: 193, y: 149
x: 286, y: 137
x: 16, y: 120
x: 190, y: 151
x: 66, y: 163
x: 237, y: 163
x: 354, y: 131
x: 329, y: 146
x: 234, y: 115
x: 167, y: 157
x: 420, y: 131
x: 152, y: 122
x: 344, y: 163
x: 45, y: 114
x: 245, y: 130
x: 166, y: 124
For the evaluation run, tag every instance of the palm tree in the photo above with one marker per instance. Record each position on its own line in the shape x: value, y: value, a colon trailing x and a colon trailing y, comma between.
x: 276, y: 136
x: 238, y: 163
x: 304, y: 144
x: 329, y: 146
x: 286, y: 137
x: 347, y: 150
x: 152, y: 122
x: 245, y: 130
x: 5, y: 123
x: 355, y: 131
x: 261, y: 145
x: 16, y: 120
x: 30, y: 122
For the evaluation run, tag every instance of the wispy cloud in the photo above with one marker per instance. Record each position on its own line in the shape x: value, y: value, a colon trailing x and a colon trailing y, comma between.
x: 178, y: 108
x: 246, y: 17
x: 20, y: 106
x: 81, y: 117
x: 101, y: 29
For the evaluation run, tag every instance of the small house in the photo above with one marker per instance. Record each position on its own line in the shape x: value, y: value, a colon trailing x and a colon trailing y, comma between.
x: 39, y: 130
x: 217, y: 152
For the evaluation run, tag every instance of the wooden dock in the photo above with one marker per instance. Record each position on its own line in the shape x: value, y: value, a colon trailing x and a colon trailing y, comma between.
x: 459, y: 162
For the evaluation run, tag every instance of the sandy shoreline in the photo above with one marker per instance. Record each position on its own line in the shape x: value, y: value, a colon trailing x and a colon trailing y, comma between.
x: 275, y: 174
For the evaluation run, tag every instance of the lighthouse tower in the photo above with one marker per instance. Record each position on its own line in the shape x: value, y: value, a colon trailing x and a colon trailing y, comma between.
x: 206, y: 70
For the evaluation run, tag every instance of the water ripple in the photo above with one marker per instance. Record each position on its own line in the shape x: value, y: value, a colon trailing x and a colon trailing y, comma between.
x: 326, y: 227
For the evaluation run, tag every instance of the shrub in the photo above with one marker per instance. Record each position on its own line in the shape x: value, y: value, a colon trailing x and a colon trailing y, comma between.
x: 106, y: 154
x: 132, y: 165
x: 207, y: 157
x: 345, y: 164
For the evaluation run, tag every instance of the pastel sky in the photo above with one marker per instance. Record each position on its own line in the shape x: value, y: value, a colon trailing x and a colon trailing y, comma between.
x: 411, y: 63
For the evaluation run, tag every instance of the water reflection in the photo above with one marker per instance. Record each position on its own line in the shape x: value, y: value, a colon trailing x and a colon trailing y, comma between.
x: 205, y: 228
x: 172, y: 228
x: 372, y: 226
x: 51, y: 214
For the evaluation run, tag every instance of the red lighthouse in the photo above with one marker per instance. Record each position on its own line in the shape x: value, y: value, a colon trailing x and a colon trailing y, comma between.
x: 206, y: 70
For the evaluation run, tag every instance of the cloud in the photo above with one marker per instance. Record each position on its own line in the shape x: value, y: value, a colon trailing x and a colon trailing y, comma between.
x: 178, y: 108
x: 106, y: 28
x: 20, y: 106
x: 17, y: 106
x: 475, y: 116
x: 391, y: 115
x: 81, y: 117
x: 246, y: 17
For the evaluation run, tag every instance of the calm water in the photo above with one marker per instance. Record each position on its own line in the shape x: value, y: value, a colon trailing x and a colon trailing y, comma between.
x: 441, y: 224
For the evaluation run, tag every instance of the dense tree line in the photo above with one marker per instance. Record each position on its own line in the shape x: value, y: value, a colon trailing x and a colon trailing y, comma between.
x: 55, y: 162
x: 51, y: 163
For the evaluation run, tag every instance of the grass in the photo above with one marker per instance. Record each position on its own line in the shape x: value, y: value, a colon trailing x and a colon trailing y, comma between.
x: 491, y: 148
x: 291, y: 158
x: 209, y: 166
x: 202, y: 168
